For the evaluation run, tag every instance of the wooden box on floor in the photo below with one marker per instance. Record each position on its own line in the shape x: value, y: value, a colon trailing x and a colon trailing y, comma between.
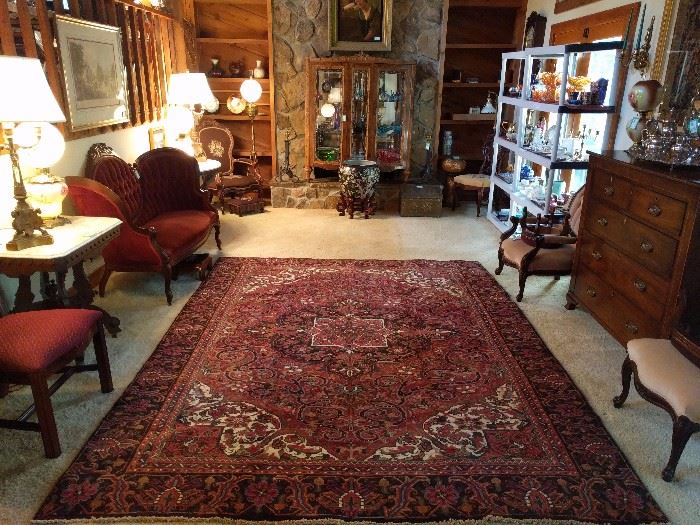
x: 421, y: 200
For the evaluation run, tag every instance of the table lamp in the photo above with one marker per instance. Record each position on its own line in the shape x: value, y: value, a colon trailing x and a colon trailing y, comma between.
x: 189, y: 90
x: 251, y: 91
x: 25, y: 96
x: 45, y: 191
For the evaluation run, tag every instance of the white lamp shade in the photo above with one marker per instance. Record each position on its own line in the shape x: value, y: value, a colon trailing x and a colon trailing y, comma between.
x: 45, y: 153
x: 189, y: 89
x: 25, y: 95
x: 251, y: 90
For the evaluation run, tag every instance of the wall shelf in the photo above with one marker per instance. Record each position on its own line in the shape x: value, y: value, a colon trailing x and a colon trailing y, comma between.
x: 240, y: 41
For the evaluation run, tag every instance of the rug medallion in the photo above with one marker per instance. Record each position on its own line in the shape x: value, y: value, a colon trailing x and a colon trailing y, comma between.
x: 375, y: 390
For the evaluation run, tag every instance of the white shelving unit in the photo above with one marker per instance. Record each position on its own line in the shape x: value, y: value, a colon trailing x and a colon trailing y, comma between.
x: 567, y: 58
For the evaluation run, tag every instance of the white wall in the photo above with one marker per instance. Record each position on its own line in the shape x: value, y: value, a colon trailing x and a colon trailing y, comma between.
x: 653, y: 8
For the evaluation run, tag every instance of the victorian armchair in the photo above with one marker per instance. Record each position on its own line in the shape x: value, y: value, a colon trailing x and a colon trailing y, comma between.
x: 217, y: 143
x: 165, y: 215
x: 544, y: 248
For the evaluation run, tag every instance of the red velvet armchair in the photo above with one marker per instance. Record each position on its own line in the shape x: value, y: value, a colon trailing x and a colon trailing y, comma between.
x: 166, y: 216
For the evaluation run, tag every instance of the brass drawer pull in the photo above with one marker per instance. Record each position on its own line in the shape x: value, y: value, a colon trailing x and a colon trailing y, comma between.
x: 591, y: 291
x: 654, y: 210
x: 646, y: 246
x: 640, y: 285
x: 609, y: 191
x: 603, y: 221
x: 596, y: 255
x: 631, y: 327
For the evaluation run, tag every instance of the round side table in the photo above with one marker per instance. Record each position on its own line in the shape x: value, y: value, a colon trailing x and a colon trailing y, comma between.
x: 208, y: 169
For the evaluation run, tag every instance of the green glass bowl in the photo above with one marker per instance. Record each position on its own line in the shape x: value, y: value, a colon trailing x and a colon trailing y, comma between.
x: 327, y: 154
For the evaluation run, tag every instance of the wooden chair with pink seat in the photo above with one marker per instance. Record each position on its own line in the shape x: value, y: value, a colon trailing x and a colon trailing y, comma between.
x: 37, y: 344
x: 543, y: 248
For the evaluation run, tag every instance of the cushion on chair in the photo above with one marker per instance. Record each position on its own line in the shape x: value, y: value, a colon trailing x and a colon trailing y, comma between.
x: 665, y: 371
x: 180, y: 232
x: 546, y: 260
x: 31, y: 341
x: 475, y: 180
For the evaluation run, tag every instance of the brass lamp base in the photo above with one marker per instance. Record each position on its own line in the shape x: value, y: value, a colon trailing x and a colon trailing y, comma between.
x: 25, y: 221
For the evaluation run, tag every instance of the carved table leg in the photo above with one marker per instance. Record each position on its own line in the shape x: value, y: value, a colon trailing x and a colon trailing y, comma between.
x: 24, y: 296
x: 84, y: 296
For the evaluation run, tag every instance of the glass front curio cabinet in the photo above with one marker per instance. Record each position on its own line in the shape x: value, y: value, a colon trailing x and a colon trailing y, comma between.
x: 358, y: 107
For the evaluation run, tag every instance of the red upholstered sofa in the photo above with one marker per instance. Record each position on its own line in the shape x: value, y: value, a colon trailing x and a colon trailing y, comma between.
x: 166, y: 216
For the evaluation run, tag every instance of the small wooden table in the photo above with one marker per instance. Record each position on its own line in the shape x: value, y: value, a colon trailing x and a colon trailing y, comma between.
x: 208, y: 169
x: 82, y: 238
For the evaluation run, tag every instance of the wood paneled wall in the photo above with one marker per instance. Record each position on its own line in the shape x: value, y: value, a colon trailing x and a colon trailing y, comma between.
x: 149, y: 41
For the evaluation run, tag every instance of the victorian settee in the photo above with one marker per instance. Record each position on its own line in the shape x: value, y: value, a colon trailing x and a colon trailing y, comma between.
x: 166, y: 216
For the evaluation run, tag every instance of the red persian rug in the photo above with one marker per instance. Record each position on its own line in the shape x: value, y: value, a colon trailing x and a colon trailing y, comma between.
x: 359, y: 390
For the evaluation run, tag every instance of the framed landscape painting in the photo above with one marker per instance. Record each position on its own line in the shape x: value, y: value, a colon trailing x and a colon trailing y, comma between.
x: 359, y: 25
x: 93, y: 73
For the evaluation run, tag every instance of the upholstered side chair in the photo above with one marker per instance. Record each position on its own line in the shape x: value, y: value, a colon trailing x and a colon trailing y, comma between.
x: 217, y: 142
x: 544, y: 248
x: 38, y: 344
x: 165, y: 215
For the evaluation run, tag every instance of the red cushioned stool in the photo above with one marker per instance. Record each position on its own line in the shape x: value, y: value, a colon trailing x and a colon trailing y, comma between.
x: 35, y: 345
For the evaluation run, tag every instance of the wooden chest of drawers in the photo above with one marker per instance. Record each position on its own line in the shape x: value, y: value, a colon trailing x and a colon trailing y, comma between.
x: 637, y: 254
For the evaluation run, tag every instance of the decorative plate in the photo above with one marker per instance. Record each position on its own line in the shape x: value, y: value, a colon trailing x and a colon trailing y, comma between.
x: 235, y: 105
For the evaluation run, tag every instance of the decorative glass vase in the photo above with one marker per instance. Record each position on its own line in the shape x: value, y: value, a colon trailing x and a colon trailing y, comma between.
x: 215, y: 71
x: 259, y: 71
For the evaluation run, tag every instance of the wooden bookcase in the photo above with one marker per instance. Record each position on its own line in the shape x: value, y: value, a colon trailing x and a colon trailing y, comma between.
x: 232, y: 31
x: 477, y: 32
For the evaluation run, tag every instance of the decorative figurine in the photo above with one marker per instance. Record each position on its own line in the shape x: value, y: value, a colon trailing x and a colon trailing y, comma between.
x: 215, y: 71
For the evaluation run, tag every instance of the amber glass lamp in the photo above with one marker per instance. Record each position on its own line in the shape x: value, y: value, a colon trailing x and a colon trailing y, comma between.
x: 25, y: 96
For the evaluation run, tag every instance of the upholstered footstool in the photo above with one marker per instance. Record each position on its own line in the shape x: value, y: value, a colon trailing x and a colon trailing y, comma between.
x: 665, y: 377
x: 470, y: 182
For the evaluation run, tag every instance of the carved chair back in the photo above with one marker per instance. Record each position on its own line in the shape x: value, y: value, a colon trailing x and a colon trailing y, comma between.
x: 169, y: 180
x: 107, y: 168
x: 217, y: 142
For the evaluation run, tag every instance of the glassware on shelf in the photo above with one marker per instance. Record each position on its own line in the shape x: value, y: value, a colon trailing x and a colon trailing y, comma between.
x: 215, y: 71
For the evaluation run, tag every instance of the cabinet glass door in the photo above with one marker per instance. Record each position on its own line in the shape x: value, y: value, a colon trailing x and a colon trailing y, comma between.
x: 390, y: 133
x: 358, y: 113
x: 329, y: 109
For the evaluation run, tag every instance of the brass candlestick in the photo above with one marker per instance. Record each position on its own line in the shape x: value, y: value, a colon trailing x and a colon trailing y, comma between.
x: 286, y: 174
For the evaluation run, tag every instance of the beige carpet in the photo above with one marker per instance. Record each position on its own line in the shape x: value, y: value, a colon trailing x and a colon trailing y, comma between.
x: 589, y: 354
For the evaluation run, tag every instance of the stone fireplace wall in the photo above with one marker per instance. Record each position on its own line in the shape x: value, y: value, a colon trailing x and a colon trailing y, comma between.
x: 300, y: 30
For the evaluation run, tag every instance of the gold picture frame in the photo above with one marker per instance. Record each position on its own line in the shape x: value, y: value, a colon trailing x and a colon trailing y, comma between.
x: 156, y: 137
x: 677, y: 61
x: 359, y: 25
x: 94, y: 75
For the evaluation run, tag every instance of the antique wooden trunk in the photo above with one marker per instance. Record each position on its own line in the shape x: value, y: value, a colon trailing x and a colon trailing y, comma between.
x: 421, y: 200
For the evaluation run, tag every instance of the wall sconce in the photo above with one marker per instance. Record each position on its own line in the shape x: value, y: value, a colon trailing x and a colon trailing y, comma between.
x: 639, y: 58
